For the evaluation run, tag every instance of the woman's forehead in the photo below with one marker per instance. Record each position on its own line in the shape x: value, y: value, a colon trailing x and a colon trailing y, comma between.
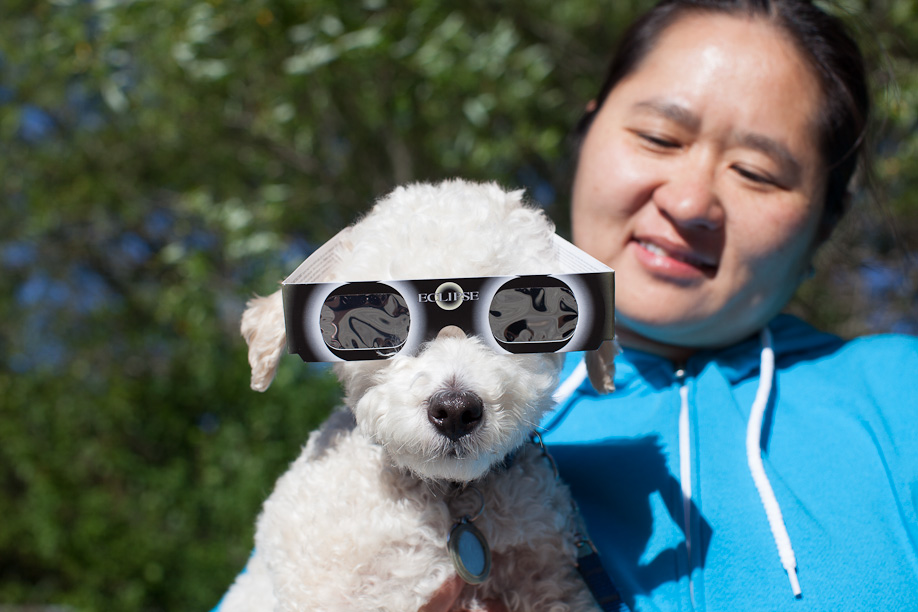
x: 742, y: 72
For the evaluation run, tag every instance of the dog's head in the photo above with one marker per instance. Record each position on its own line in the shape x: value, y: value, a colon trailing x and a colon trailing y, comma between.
x: 454, y: 408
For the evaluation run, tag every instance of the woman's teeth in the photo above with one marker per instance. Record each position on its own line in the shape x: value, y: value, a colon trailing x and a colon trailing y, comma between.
x: 660, y: 251
x: 655, y: 249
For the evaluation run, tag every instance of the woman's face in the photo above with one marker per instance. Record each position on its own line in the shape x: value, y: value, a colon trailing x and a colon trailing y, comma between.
x: 701, y: 183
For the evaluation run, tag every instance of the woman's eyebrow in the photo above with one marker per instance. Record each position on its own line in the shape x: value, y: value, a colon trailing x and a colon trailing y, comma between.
x: 791, y: 167
x: 669, y: 110
x: 775, y: 150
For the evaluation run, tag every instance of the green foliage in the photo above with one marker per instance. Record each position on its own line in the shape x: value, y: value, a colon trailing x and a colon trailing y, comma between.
x: 163, y: 160
x: 866, y: 277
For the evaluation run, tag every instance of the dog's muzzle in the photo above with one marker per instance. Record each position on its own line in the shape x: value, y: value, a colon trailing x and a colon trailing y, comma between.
x: 454, y: 413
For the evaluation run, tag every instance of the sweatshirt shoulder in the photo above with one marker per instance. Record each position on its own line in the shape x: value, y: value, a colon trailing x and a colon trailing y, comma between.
x: 875, y: 380
x: 885, y: 357
x: 885, y: 344
x: 797, y: 339
x: 887, y: 361
x: 881, y: 369
x: 869, y: 383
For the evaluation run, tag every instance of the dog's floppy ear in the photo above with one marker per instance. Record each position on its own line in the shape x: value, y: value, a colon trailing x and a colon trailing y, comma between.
x: 264, y: 332
x: 601, y: 366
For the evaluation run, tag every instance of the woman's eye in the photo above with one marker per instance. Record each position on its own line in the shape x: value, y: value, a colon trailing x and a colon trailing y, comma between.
x: 760, y: 179
x: 657, y: 141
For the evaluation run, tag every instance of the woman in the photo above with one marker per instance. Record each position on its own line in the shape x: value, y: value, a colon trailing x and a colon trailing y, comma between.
x: 745, y: 461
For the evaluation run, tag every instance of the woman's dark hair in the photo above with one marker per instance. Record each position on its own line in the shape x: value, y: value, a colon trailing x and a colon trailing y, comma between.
x: 821, y: 38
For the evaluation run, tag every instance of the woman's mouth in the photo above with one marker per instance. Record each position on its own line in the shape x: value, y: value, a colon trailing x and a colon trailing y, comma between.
x: 672, y: 260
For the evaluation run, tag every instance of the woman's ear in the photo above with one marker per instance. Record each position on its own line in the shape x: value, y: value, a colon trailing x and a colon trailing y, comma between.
x: 601, y: 366
x: 264, y: 331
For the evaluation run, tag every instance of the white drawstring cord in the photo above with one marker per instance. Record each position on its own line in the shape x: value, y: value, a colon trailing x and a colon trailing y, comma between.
x: 571, y: 383
x: 757, y: 468
x: 685, y: 472
x: 753, y: 453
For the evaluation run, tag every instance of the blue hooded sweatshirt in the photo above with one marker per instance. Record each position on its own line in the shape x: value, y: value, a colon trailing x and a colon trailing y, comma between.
x: 661, y: 471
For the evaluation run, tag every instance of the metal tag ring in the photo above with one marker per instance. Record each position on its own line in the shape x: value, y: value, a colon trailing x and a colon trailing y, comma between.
x: 469, y: 552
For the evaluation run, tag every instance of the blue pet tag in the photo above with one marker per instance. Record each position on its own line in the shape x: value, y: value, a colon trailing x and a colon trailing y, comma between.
x: 469, y: 552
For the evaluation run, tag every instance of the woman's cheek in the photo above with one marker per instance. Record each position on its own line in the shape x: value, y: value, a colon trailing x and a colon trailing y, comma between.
x: 773, y: 227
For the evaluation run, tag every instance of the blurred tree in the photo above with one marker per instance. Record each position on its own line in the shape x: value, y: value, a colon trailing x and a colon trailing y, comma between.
x: 867, y: 276
x: 161, y: 160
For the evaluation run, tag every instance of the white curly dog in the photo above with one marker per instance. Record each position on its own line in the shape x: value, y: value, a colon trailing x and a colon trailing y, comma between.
x: 360, y: 520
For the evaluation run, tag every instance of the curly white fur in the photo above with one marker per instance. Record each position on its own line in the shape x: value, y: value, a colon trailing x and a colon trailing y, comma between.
x: 359, y: 522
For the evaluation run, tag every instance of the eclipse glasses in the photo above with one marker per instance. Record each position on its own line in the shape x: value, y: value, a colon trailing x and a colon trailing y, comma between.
x: 363, y: 320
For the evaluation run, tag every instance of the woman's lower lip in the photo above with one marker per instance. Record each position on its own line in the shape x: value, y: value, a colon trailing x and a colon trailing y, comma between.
x: 670, y: 267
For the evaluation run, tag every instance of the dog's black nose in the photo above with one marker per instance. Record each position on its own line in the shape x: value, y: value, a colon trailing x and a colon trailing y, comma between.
x: 454, y: 413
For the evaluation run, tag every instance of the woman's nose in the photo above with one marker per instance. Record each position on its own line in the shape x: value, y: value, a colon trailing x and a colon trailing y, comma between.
x: 689, y: 198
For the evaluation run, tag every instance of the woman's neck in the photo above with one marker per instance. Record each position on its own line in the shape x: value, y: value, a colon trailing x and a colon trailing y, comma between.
x: 630, y: 339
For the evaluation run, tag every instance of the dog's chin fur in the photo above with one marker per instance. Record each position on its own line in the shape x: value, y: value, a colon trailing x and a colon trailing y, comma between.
x: 389, y: 401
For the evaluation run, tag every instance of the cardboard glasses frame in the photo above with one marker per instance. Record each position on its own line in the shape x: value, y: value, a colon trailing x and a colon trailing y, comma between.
x: 512, y: 314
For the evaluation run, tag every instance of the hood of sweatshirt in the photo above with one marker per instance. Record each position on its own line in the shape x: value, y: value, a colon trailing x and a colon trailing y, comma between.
x: 792, y: 339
